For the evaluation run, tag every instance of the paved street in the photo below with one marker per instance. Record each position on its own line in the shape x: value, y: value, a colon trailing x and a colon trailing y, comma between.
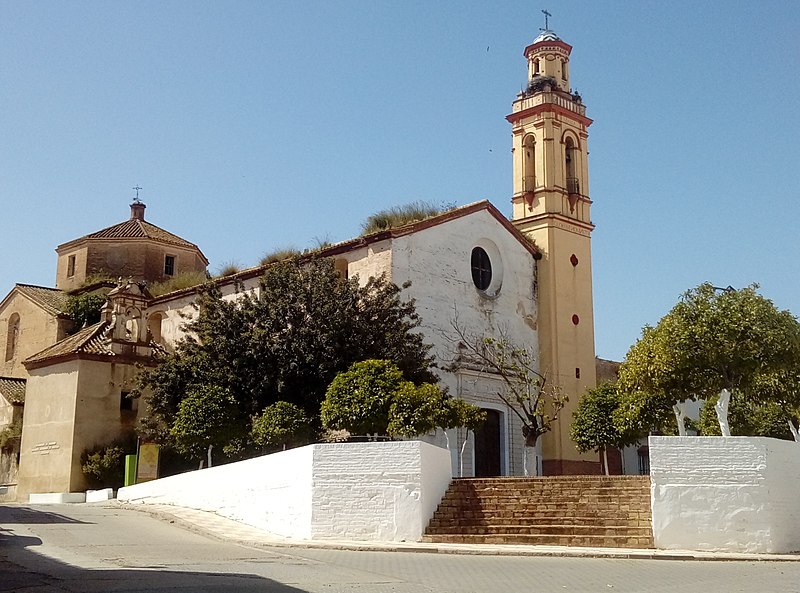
x: 90, y: 548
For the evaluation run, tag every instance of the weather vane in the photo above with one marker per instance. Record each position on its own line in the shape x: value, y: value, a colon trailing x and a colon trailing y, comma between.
x: 547, y: 15
x: 137, y: 188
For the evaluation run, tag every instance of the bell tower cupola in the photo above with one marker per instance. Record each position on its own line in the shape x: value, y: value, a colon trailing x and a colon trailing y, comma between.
x: 551, y: 205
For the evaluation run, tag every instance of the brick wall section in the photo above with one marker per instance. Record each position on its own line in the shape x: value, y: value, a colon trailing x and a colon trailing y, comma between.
x: 737, y: 494
x: 597, y: 511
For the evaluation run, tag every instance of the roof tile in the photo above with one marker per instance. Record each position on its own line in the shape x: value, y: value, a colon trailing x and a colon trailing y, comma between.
x: 54, y: 301
x: 90, y: 340
x: 139, y: 229
x: 13, y: 389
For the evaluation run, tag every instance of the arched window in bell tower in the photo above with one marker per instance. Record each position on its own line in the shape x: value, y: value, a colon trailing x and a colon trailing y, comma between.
x: 570, y: 158
x: 529, y: 164
x: 536, y: 66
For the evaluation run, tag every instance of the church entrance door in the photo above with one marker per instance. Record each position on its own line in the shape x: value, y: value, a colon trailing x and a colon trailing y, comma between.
x: 489, y: 446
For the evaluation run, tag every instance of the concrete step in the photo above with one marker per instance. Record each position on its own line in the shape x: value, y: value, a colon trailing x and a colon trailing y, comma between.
x: 592, y: 541
x: 604, y: 530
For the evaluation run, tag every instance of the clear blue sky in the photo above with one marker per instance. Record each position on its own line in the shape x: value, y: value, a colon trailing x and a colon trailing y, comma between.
x: 265, y: 124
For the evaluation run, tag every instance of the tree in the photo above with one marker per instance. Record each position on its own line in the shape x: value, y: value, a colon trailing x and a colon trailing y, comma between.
x: 712, y: 340
x: 593, y: 427
x: 418, y: 410
x: 280, y: 426
x: 286, y: 341
x: 85, y: 309
x: 526, y: 393
x: 207, y: 417
x: 747, y: 417
x: 359, y: 399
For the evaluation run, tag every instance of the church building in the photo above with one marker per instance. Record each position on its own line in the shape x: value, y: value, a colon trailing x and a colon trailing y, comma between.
x: 527, y: 277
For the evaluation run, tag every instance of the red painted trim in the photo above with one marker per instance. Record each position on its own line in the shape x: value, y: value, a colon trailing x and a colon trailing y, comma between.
x: 548, y: 108
x: 542, y: 44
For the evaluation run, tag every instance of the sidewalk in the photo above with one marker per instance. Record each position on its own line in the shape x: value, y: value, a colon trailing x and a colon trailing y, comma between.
x: 216, y: 526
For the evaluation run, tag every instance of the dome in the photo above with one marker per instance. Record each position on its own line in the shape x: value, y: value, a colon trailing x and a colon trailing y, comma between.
x: 547, y: 35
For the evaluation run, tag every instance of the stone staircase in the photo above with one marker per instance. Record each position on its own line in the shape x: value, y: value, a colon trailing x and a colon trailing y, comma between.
x: 593, y: 511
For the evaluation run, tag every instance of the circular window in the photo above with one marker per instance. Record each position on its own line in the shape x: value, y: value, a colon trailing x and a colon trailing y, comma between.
x: 481, y: 268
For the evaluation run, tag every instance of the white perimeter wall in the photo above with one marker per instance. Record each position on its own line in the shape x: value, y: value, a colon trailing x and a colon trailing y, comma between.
x: 725, y: 493
x: 354, y: 491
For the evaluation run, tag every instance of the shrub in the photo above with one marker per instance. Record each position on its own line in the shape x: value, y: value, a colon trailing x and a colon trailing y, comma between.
x: 10, y: 435
x: 178, y: 282
x: 398, y: 216
x: 104, y: 467
x: 84, y: 309
x: 279, y: 254
x: 280, y: 426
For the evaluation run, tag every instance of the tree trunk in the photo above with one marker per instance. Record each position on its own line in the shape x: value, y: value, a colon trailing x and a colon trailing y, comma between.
x: 605, y: 459
x: 795, y: 432
x: 461, y: 457
x: 679, y: 409
x: 209, y: 454
x: 721, y: 408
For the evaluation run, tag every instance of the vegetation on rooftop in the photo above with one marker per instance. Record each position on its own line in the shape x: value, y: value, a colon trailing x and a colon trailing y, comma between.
x: 178, y: 282
x: 229, y: 268
x: 279, y: 254
x: 84, y: 309
x: 398, y: 216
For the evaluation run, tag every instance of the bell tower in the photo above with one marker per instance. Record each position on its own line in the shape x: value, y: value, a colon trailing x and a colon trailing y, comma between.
x: 551, y: 205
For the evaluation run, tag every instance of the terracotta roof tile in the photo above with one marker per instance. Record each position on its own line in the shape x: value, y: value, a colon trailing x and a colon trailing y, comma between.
x: 139, y: 229
x: 90, y: 340
x: 52, y: 300
x: 13, y: 389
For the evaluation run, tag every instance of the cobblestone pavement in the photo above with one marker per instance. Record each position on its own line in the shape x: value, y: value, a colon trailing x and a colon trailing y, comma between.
x: 91, y: 548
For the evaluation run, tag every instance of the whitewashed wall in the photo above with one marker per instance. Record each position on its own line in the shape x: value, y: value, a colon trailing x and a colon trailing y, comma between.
x: 437, y: 261
x: 350, y: 491
x: 737, y: 494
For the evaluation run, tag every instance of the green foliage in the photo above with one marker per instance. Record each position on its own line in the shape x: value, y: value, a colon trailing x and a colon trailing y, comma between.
x: 373, y: 398
x: 398, y: 216
x: 416, y: 411
x: 360, y: 398
x: 285, y: 342
x: 640, y: 413
x: 84, y: 309
x: 104, y: 467
x: 97, y: 278
x: 456, y: 413
x: 10, y: 436
x: 279, y: 254
x: 711, y: 340
x: 180, y: 281
x: 207, y: 416
x: 745, y: 418
x: 280, y: 426
x: 593, y: 427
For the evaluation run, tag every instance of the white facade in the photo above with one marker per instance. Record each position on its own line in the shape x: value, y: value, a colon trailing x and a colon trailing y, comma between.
x: 435, y: 257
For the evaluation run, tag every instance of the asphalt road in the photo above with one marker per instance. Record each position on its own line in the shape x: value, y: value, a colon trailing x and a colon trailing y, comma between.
x: 88, y: 548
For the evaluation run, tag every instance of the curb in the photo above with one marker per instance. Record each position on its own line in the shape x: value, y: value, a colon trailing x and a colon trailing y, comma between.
x: 218, y: 527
